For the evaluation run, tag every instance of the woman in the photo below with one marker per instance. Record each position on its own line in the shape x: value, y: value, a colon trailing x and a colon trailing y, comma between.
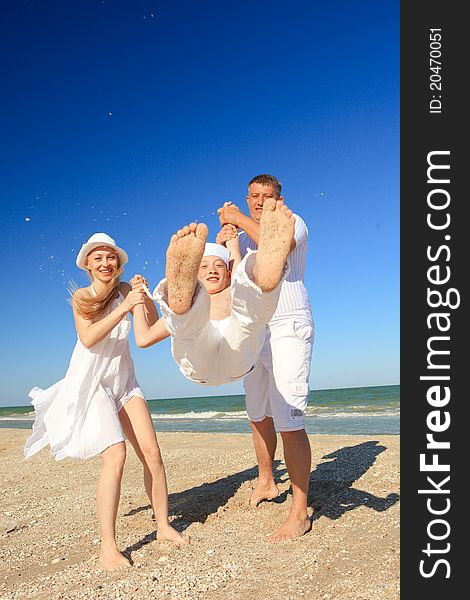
x: 99, y: 402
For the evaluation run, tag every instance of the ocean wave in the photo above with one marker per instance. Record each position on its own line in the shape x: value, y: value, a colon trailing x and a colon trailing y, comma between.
x: 333, y: 407
x: 21, y: 417
x: 383, y: 413
x: 200, y: 415
x: 311, y: 413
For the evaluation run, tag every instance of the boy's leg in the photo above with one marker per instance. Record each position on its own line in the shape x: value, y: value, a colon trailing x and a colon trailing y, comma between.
x: 255, y: 292
x: 194, y: 341
x: 185, y: 304
x: 245, y: 333
x: 183, y: 258
x: 276, y: 235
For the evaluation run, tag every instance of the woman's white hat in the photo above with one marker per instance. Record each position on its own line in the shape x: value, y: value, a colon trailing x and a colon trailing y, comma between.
x: 97, y: 240
x: 212, y: 249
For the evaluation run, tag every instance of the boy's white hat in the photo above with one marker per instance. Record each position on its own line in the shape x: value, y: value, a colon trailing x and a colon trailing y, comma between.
x: 217, y: 250
x: 97, y: 240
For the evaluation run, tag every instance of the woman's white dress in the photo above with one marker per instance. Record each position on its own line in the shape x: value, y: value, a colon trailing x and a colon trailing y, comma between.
x: 78, y: 415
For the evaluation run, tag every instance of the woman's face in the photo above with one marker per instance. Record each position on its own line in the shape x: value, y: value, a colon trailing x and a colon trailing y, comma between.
x: 103, y: 263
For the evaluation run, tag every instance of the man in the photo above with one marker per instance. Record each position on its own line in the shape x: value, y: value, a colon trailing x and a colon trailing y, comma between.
x: 277, y: 389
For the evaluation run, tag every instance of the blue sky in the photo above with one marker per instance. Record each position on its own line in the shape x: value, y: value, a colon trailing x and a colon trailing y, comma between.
x: 135, y: 118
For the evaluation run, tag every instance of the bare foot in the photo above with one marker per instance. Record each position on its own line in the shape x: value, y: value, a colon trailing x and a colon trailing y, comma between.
x: 183, y: 258
x: 263, y: 492
x: 292, y: 529
x: 112, y: 560
x: 169, y: 534
x: 275, y: 239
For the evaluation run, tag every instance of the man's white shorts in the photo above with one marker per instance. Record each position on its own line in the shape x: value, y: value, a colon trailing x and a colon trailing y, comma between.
x: 278, y: 385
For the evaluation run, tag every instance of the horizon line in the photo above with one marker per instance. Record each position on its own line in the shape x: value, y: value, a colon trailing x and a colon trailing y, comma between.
x: 348, y: 387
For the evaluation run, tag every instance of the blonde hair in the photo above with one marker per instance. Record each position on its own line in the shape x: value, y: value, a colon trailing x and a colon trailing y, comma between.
x: 91, y: 307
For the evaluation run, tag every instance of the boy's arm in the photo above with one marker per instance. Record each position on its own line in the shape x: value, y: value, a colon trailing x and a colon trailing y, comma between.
x: 145, y: 334
x: 149, y: 328
x: 150, y: 310
x: 233, y: 245
x: 228, y: 237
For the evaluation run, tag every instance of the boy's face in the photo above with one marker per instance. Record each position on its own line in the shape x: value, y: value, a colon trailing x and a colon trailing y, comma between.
x: 214, y: 274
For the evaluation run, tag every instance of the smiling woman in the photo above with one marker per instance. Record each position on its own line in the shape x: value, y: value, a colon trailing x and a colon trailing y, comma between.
x: 99, y: 403
x: 104, y: 269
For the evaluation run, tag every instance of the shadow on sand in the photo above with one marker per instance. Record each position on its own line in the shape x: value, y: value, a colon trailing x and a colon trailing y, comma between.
x: 197, y: 503
x: 330, y: 490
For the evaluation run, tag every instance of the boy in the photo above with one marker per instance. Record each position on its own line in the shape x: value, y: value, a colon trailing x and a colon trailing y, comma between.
x: 217, y: 324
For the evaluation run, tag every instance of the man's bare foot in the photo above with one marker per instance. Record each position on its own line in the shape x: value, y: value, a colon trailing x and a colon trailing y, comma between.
x: 112, y: 560
x: 293, y: 528
x: 263, y: 492
x: 183, y: 258
x: 276, y: 233
x: 169, y: 534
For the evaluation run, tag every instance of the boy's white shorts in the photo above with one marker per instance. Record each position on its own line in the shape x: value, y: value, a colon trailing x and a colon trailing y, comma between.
x: 218, y: 352
x: 278, y: 385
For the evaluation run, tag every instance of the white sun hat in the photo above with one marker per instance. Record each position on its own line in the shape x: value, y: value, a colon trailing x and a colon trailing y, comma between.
x: 97, y: 240
x: 217, y: 250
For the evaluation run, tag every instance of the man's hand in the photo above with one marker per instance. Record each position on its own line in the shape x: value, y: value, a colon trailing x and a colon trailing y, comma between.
x: 228, y: 232
x: 229, y: 213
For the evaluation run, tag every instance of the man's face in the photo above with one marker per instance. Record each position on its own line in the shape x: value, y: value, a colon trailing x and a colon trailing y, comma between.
x: 214, y: 274
x: 257, y: 194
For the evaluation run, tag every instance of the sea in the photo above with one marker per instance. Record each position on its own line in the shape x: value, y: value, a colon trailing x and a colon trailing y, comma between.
x: 351, y: 411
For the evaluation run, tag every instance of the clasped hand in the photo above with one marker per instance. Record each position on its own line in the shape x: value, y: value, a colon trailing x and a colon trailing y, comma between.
x: 229, y: 213
x: 137, y: 294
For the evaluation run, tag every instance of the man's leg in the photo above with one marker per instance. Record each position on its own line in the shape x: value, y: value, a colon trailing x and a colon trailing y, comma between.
x: 256, y: 386
x: 265, y: 442
x: 298, y: 457
x: 291, y: 348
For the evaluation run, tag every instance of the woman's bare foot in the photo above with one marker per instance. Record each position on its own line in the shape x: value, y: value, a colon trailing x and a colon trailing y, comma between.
x: 112, y: 560
x: 183, y: 258
x: 263, y: 491
x: 293, y: 528
x: 276, y: 233
x: 169, y: 534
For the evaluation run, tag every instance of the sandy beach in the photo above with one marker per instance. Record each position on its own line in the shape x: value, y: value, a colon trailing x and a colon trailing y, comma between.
x: 49, y: 537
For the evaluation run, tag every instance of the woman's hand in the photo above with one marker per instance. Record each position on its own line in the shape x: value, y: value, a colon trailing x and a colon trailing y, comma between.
x: 133, y: 298
x: 137, y: 280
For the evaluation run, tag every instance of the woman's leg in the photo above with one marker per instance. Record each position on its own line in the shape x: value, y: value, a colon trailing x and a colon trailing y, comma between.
x: 138, y: 428
x: 107, y: 498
